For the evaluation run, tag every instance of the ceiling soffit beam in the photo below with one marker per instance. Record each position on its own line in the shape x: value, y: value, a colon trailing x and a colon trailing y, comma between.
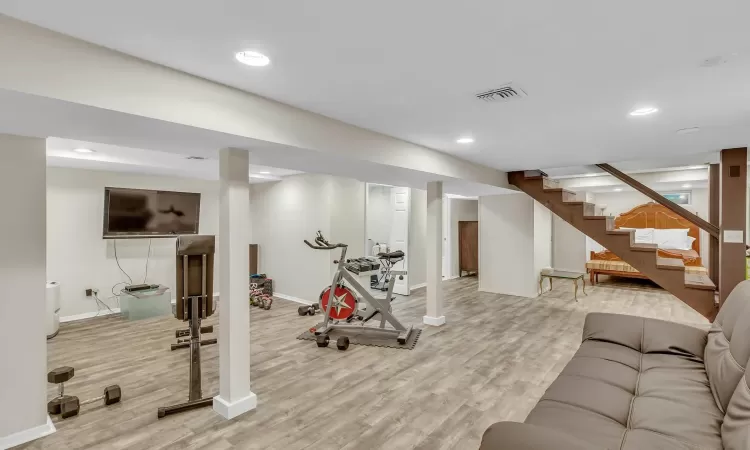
x: 45, y: 63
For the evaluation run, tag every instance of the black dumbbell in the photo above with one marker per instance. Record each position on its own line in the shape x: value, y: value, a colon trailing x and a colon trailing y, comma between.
x: 71, y: 407
x: 342, y: 343
x: 59, y: 376
x: 308, y: 310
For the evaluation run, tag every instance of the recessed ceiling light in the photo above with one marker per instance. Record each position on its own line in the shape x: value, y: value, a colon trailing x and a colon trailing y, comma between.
x: 265, y: 172
x: 83, y: 150
x: 465, y: 140
x: 252, y: 58
x: 644, y: 111
x: 687, y: 185
x: 618, y: 189
x: 688, y: 130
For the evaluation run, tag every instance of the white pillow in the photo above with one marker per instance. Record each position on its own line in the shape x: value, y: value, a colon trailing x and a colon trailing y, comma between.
x: 672, y: 239
x: 642, y: 235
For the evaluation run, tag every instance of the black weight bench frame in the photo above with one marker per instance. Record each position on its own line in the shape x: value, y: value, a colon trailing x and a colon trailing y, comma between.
x: 195, y: 269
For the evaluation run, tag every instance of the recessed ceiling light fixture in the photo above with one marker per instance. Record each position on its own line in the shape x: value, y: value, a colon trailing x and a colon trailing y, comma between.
x: 618, y: 189
x: 265, y: 172
x: 252, y: 58
x: 687, y: 185
x: 644, y: 111
x: 465, y: 140
x: 83, y: 150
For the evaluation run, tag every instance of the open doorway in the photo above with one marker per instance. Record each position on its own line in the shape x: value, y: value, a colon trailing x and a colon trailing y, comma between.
x: 387, y: 211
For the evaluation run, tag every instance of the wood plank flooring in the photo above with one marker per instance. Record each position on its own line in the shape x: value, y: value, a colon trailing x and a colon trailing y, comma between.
x: 492, y: 361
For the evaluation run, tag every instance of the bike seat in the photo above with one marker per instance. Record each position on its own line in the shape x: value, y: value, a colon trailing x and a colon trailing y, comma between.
x: 398, y: 254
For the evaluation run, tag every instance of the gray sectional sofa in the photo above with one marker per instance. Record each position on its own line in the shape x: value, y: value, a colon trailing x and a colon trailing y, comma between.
x: 638, y: 383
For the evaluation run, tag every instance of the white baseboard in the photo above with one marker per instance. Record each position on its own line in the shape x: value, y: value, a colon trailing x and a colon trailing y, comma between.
x: 27, y: 435
x: 293, y: 299
x: 89, y: 315
x: 452, y: 277
x: 434, y: 321
x: 417, y: 286
x: 105, y: 312
x: 232, y: 410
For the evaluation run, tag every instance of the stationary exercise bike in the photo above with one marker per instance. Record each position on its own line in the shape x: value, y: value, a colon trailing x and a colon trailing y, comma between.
x: 340, y: 303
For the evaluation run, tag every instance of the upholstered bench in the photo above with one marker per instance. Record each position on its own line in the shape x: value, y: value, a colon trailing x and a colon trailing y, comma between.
x: 638, y: 383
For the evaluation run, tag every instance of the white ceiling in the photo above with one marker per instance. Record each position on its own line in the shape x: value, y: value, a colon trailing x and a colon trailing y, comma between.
x: 410, y: 69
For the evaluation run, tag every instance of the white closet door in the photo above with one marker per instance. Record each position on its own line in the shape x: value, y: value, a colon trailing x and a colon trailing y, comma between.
x: 401, y: 202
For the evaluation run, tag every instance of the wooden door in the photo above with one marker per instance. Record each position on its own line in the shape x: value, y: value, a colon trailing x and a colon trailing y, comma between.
x: 468, y: 246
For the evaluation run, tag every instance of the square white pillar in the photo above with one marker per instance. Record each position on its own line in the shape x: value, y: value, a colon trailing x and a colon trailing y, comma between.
x: 234, y: 397
x: 434, y: 314
x: 23, y: 260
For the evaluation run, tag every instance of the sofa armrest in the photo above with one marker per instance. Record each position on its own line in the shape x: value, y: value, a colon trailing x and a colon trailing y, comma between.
x: 524, y: 436
x: 645, y: 335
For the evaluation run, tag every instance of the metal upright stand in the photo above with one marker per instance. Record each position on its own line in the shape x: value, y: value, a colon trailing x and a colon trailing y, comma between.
x: 193, y: 308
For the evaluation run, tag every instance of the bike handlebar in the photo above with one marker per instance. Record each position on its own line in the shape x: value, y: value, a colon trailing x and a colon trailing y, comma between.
x: 324, y: 247
x: 322, y: 243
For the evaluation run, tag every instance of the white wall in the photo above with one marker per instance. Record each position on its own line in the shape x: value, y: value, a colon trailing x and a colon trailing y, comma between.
x: 283, y: 215
x: 417, y: 254
x: 506, y: 238
x: 347, y: 205
x: 379, y: 214
x: 459, y: 210
x: 77, y: 256
x: 542, y: 238
x: 569, y: 250
x: 23, y: 384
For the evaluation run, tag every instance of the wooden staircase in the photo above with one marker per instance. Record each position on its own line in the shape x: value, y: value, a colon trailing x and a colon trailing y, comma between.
x: 696, y: 290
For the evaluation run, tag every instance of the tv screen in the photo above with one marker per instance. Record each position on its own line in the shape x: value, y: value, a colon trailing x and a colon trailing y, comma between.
x: 142, y: 213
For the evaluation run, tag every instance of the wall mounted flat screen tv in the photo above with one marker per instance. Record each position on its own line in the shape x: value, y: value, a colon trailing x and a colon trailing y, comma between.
x: 139, y: 213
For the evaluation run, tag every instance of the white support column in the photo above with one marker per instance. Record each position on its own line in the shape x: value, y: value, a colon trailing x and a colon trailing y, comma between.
x: 234, y: 397
x: 434, y: 315
x: 23, y: 238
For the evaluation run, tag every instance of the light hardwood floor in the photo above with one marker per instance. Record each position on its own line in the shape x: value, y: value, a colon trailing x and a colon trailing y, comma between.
x: 490, y: 362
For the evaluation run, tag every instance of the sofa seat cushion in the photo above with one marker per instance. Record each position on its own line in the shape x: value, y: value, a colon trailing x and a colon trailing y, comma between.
x: 614, y: 395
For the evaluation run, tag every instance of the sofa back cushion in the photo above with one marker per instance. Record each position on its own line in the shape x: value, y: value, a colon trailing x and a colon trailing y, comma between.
x: 728, y: 348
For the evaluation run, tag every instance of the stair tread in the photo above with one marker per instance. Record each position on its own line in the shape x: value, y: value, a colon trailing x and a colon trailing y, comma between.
x: 670, y: 263
x: 619, y: 231
x: 594, y: 217
x: 577, y: 202
x: 699, y: 281
x: 535, y: 177
x: 559, y: 190
x: 644, y: 247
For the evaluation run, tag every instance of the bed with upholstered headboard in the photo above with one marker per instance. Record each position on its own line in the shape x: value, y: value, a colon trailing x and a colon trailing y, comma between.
x: 643, y: 218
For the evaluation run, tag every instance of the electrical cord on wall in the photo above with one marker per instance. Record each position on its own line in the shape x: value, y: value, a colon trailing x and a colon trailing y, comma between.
x: 148, y: 256
x: 118, y: 262
x: 99, y: 304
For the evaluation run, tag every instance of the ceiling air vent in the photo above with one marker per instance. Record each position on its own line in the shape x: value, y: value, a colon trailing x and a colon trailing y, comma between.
x: 502, y: 94
x: 198, y: 158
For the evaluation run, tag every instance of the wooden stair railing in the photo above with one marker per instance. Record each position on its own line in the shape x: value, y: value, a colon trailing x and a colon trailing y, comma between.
x: 696, y: 290
x: 703, y: 224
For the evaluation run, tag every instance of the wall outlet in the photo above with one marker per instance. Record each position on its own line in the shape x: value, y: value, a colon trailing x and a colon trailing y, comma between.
x: 90, y: 292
